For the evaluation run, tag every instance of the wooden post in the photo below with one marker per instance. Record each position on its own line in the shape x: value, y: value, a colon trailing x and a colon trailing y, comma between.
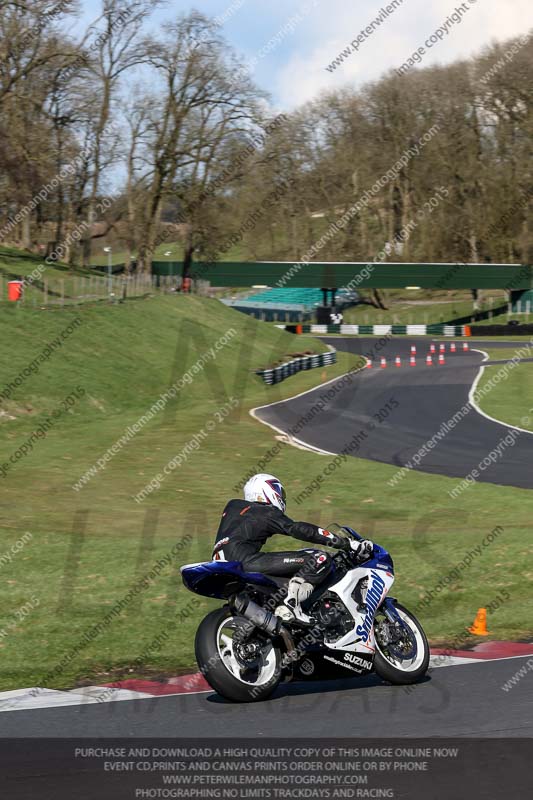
x: 46, y: 291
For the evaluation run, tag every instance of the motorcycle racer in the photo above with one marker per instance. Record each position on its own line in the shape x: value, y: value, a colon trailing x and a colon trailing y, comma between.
x: 247, y: 524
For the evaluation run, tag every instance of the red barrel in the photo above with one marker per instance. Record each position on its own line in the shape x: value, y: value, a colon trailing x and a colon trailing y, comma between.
x: 14, y: 290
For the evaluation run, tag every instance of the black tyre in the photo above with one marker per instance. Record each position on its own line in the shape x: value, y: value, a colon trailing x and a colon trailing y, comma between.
x: 404, y: 660
x: 238, y: 676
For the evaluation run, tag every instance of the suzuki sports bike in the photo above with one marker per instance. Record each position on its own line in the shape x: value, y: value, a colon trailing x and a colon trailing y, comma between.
x: 245, y: 651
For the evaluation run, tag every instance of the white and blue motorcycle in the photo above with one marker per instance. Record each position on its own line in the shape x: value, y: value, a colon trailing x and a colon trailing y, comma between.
x: 245, y: 651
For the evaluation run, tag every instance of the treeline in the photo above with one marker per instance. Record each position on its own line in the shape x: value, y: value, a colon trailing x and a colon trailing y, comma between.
x: 164, y: 113
x: 435, y: 165
x: 143, y: 138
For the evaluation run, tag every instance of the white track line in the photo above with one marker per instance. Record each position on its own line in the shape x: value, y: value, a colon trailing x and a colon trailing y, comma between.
x: 29, y: 699
x: 477, y: 408
x: 25, y: 699
x: 292, y: 440
x: 300, y: 444
x: 457, y: 661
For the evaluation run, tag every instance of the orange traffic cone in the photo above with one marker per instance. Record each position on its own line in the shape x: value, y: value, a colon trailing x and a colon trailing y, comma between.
x: 412, y: 361
x: 383, y: 363
x: 413, y: 349
x: 465, y: 345
x: 429, y: 360
x: 441, y: 358
x: 432, y: 348
x: 369, y: 364
x: 479, y: 627
x: 453, y: 349
x: 442, y: 348
x: 398, y: 362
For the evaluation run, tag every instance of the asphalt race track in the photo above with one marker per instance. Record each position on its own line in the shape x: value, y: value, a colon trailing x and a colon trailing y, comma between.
x: 461, y: 700
x: 412, y: 404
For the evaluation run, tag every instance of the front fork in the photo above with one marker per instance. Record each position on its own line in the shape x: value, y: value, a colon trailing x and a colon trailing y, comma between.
x: 390, y: 611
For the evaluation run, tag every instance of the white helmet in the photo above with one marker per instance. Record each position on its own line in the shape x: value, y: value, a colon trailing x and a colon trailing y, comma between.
x: 264, y: 488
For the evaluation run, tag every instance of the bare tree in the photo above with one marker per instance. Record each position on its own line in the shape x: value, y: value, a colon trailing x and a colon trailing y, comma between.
x: 28, y: 28
x: 199, y: 104
x: 116, y: 43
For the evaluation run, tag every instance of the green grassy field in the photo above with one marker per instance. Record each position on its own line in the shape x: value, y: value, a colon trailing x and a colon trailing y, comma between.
x: 511, y: 400
x: 174, y: 250
x: 431, y: 308
x: 401, y: 313
x: 16, y: 264
x: 89, y: 548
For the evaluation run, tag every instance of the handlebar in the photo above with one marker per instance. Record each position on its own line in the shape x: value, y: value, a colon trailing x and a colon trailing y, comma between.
x: 344, y: 558
x: 349, y: 558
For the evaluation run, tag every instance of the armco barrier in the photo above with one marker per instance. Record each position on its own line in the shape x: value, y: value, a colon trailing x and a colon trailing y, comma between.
x: 282, y: 371
x: 382, y: 330
x: 502, y: 330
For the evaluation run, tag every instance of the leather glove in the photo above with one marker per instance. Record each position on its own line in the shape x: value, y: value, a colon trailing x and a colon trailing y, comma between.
x: 364, y: 549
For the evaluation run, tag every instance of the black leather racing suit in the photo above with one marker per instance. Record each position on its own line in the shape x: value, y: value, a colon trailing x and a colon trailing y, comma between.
x: 245, y: 527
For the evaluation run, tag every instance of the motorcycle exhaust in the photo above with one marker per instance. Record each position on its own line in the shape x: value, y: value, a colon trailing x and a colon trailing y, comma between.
x: 265, y: 620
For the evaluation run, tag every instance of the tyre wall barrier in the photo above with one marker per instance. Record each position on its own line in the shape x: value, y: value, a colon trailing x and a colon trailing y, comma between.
x: 283, y: 371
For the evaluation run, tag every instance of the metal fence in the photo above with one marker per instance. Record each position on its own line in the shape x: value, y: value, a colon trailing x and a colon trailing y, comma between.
x: 75, y: 289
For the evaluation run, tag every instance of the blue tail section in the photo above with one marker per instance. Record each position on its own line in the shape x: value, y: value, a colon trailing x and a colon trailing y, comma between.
x: 221, y: 578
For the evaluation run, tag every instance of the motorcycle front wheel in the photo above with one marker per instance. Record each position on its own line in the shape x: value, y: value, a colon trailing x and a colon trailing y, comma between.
x: 402, y: 650
x: 242, y: 668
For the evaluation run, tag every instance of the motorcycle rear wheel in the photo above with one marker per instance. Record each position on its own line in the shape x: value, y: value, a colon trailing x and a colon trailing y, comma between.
x: 221, y: 661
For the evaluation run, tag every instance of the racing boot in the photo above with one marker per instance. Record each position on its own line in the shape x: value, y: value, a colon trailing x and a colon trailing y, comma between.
x: 298, y: 591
